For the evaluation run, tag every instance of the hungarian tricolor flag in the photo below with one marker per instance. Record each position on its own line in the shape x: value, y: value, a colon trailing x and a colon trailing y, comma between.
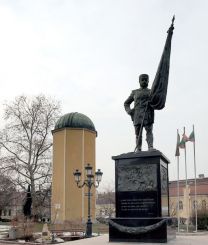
x: 192, y: 137
x: 184, y: 139
x: 177, y: 153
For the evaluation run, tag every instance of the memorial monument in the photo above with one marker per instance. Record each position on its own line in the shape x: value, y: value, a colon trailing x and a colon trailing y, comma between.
x: 141, y: 177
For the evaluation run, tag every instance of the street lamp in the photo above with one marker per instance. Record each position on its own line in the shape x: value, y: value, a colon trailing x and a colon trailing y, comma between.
x: 89, y: 182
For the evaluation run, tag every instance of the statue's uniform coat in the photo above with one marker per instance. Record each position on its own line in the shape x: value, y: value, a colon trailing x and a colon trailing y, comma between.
x: 140, y: 98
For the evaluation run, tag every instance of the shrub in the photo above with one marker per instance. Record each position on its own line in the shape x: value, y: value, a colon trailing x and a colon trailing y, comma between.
x: 202, y: 220
x: 24, y: 227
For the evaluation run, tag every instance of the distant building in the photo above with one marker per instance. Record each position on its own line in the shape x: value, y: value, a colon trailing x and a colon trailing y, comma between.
x: 14, y: 208
x: 105, y: 203
x: 187, y: 197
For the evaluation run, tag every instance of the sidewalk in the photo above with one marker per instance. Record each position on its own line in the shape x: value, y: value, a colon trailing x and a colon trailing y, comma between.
x: 180, y: 240
x: 103, y: 240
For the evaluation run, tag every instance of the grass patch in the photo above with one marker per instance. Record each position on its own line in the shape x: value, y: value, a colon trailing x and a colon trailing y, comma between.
x: 99, y: 228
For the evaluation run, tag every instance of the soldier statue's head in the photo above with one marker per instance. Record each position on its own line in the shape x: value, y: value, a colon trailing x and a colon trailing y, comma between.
x: 143, y: 80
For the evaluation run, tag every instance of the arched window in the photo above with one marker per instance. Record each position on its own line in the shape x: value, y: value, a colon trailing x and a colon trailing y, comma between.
x: 204, y: 204
x: 180, y: 205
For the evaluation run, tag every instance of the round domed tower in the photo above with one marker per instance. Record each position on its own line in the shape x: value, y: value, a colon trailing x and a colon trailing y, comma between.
x: 75, y: 120
x: 73, y: 147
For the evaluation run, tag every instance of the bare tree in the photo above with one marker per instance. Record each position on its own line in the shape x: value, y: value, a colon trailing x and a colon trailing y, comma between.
x: 7, y: 189
x: 173, y: 209
x: 26, y: 142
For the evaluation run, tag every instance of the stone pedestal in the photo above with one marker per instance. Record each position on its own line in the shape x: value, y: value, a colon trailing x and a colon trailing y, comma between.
x: 142, y: 198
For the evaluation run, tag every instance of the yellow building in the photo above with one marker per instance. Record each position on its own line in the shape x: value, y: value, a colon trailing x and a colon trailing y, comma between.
x: 73, y: 147
x: 187, y: 197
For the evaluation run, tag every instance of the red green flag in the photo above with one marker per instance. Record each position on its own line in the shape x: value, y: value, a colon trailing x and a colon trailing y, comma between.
x: 177, y: 153
x: 192, y: 137
x: 183, y: 141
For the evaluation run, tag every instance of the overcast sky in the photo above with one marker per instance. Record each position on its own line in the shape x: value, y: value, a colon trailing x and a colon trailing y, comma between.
x: 88, y: 54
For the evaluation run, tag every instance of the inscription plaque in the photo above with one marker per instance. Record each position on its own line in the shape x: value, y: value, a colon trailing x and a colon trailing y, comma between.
x: 136, y: 204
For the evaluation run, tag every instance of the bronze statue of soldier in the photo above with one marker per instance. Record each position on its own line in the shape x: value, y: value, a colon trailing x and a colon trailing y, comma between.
x: 147, y: 100
x: 141, y: 98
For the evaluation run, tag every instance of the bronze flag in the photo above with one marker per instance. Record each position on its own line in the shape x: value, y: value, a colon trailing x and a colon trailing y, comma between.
x: 160, y: 84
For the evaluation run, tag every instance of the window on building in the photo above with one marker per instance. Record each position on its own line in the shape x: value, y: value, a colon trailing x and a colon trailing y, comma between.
x: 180, y: 205
x: 204, y: 204
x: 5, y: 212
x: 0, y: 212
x: 195, y: 204
x: 10, y: 212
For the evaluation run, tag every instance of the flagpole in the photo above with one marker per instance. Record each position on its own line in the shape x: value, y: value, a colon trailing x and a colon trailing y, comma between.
x: 178, y: 188
x: 187, y: 226
x: 195, y: 193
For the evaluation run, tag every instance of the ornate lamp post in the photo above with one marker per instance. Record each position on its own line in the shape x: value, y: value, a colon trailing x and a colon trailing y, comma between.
x: 89, y: 182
